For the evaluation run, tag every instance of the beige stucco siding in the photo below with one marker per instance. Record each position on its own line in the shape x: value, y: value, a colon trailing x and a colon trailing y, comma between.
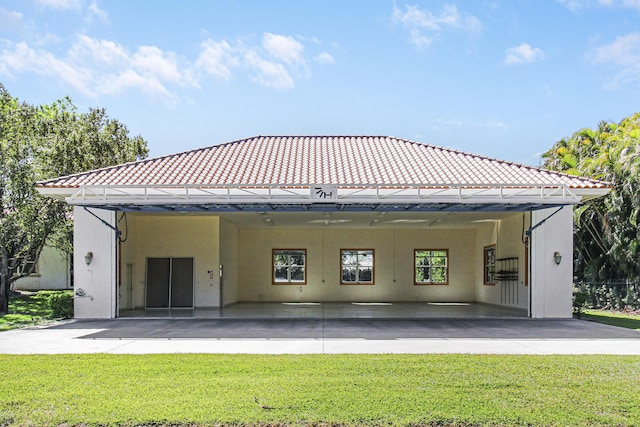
x: 552, y: 283
x: 180, y: 236
x: 131, y: 295
x: 229, y: 250
x: 52, y: 272
x: 246, y: 254
x: 394, y: 277
x: 506, y: 235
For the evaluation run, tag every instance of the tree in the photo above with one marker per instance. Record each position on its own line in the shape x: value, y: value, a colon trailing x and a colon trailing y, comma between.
x: 43, y: 142
x: 606, y: 233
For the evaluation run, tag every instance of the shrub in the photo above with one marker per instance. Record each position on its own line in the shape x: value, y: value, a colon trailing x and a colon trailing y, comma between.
x: 579, y: 302
x: 61, y: 305
x: 620, y: 295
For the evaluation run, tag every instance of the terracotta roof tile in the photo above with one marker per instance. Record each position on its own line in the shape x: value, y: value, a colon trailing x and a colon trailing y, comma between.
x: 321, y: 160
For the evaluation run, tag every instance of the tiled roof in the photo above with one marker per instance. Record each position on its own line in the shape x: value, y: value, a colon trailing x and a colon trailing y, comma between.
x: 263, y: 160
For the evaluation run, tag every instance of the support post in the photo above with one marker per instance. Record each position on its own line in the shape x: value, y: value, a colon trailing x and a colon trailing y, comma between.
x: 95, y: 263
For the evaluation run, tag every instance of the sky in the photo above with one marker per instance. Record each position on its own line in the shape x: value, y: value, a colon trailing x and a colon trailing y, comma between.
x: 505, y: 79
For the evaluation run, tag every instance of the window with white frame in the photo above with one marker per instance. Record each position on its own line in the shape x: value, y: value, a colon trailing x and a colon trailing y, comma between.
x: 289, y: 266
x: 356, y: 266
x: 431, y: 266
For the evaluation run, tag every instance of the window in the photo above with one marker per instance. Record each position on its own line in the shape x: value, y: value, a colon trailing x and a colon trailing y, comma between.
x: 289, y: 266
x: 431, y: 266
x: 27, y: 265
x: 490, y: 265
x: 356, y: 266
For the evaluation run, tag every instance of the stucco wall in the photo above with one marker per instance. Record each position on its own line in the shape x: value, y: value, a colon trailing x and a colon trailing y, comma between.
x: 130, y: 293
x: 506, y: 234
x: 52, y: 272
x: 96, y: 280
x: 551, y: 283
x: 394, y: 276
x: 487, y: 234
x: 229, y: 250
x: 247, y: 258
x: 180, y: 236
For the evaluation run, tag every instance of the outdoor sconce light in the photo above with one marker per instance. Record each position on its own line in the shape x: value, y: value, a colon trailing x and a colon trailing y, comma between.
x: 88, y: 257
x: 557, y: 257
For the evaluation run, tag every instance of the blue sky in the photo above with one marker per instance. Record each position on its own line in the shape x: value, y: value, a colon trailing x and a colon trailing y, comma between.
x: 505, y: 79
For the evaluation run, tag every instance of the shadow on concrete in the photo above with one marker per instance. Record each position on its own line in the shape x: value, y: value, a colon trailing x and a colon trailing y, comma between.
x: 368, y: 329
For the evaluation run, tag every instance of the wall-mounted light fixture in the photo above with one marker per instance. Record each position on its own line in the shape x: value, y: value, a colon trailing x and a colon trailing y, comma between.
x: 88, y: 257
x: 557, y: 257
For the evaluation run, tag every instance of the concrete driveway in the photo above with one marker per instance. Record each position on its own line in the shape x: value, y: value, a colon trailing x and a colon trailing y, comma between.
x: 301, y: 336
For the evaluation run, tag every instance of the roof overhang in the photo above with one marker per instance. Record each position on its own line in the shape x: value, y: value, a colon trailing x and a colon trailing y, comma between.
x: 326, y: 197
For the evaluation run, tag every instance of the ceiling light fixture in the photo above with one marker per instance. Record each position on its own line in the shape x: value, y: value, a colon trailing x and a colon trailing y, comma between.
x: 407, y: 221
x: 328, y: 221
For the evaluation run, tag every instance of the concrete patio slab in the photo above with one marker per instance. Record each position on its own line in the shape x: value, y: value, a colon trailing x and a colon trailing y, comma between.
x: 310, y: 336
x: 337, y: 310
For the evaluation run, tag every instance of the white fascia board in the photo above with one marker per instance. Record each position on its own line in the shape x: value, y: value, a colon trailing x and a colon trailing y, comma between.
x: 345, y: 194
x: 591, y: 193
x: 300, y: 195
x: 57, y: 193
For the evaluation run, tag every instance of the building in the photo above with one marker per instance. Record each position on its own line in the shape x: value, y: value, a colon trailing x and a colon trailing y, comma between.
x: 322, y: 218
x: 52, y: 272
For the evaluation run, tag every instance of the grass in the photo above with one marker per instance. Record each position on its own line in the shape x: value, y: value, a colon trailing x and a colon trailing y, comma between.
x: 614, y: 318
x: 346, y: 390
x: 327, y: 390
x: 28, y: 309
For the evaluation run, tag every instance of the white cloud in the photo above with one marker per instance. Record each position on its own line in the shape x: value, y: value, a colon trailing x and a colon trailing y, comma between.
x: 10, y: 18
x: 494, y: 124
x: 574, y: 5
x: 61, y: 4
x: 96, y: 67
x: 153, y: 62
x: 131, y: 79
x: 100, y: 53
x: 623, y: 55
x: 324, y: 58
x: 217, y: 59
x: 523, y: 54
x: 276, y: 62
x: 579, y: 5
x: 632, y: 4
x: 283, y: 48
x: 422, y: 24
x: 101, y: 67
x: 20, y: 58
x: 90, y: 11
x: 268, y: 73
x: 94, y: 11
x: 624, y: 50
x: 420, y: 40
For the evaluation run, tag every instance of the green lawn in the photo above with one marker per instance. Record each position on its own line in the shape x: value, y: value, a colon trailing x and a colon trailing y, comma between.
x: 351, y: 390
x: 28, y: 309
x: 614, y: 318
